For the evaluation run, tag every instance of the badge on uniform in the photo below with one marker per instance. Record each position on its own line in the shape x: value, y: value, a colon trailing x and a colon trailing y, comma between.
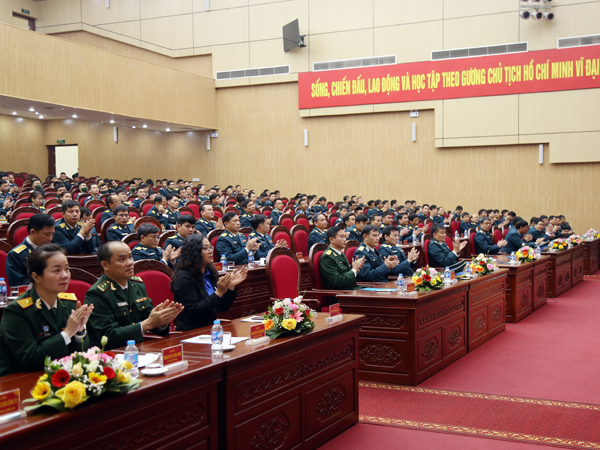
x: 122, y: 304
x: 46, y: 328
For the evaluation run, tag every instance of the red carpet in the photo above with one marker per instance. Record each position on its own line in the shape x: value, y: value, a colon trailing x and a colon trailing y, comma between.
x: 507, y: 418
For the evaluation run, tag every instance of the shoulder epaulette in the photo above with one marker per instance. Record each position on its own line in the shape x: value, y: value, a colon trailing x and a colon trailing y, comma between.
x: 172, y: 237
x: 328, y: 252
x: 113, y: 227
x: 108, y: 210
x: 67, y: 296
x: 138, y: 248
x: 20, y: 248
x: 25, y: 302
x: 103, y: 286
x: 138, y: 279
x: 62, y: 225
x: 361, y: 248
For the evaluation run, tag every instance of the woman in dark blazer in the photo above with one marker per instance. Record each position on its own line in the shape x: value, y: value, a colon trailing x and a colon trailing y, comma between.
x: 197, y: 286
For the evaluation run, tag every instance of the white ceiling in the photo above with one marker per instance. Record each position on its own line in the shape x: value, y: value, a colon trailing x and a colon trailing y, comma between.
x: 49, y: 111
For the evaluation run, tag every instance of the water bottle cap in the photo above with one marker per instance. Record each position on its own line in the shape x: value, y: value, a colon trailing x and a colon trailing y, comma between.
x: 1, y: 279
x: 131, y: 342
x: 217, y: 322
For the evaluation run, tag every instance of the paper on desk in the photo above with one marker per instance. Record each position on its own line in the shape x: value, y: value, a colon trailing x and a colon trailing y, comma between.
x: 205, y: 339
x: 255, y: 319
x: 143, y: 359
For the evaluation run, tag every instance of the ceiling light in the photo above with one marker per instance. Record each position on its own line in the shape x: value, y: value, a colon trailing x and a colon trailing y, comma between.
x: 112, y: 121
x: 133, y: 126
x: 14, y: 113
x: 168, y: 129
x: 74, y: 116
x: 143, y: 126
x: 41, y: 117
x: 32, y: 109
x: 37, y: 112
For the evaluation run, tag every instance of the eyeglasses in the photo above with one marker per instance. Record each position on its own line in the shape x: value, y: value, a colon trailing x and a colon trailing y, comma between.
x: 208, y: 248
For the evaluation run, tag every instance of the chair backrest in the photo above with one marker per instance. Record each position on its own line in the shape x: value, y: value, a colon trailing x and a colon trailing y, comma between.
x: 232, y: 209
x: 23, y: 212
x: 163, y: 237
x: 302, y: 220
x: 351, y: 246
x: 95, y: 204
x: 283, y: 273
x: 132, y: 240
x: 104, y: 228
x: 23, y: 201
x: 218, y: 213
x: 454, y: 226
x: 19, y: 180
x: 313, y: 263
x: 185, y: 211
x: 156, y: 277
x: 145, y: 219
x: 134, y: 213
x: 449, y: 242
x: 300, y: 239
x: 280, y: 232
x: 505, y: 231
x: 472, y: 241
x: 194, y: 207
x: 213, y: 237
x: 17, y: 232
x: 497, y: 235
x: 332, y: 218
x: 4, y: 249
x: 285, y: 220
x: 425, y: 250
x: 52, y: 202
x: 81, y: 199
x: 81, y: 282
x: 145, y: 208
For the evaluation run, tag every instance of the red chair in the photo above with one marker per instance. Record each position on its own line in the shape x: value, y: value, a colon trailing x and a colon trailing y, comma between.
x: 280, y: 232
x: 301, y: 219
x: 22, y: 201
x: 134, y: 213
x: 131, y: 240
x: 316, y: 251
x: 454, y: 226
x: 351, y: 246
x: 81, y: 282
x: 55, y: 212
x: 425, y: 249
x: 104, y: 228
x: 156, y: 277
x: 283, y: 273
x: 4, y: 249
x: 286, y: 220
x: 19, y: 180
x: 24, y: 212
x: 92, y: 205
x: 213, y: 237
x: 497, y: 235
x: 17, y: 232
x: 81, y: 199
x: 299, y: 239
x: 505, y: 232
x: 266, y: 210
x: 246, y: 231
x: 145, y: 208
x: 146, y: 219
x: 217, y: 212
x: 232, y: 209
x: 52, y: 202
x: 163, y: 237
x: 195, y: 207
x: 449, y: 242
x: 472, y: 241
x: 332, y: 219
x: 185, y: 211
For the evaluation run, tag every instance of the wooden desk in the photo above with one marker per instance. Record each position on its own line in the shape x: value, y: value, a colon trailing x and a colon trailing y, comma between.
x: 525, y: 287
x: 559, y: 272
x: 296, y: 392
x: 172, y: 412
x: 87, y: 262
x: 577, y: 265
x: 407, y: 338
x: 591, y: 254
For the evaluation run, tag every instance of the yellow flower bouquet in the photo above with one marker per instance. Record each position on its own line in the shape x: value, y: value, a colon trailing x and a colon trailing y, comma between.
x: 427, y: 279
x: 288, y: 316
x: 526, y: 254
x: 559, y: 245
x: 70, y: 381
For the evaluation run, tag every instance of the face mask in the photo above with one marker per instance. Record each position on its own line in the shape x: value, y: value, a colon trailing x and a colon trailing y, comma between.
x: 84, y: 189
x: 38, y: 187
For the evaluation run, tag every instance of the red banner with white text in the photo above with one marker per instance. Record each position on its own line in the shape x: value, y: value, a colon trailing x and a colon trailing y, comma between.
x: 516, y: 73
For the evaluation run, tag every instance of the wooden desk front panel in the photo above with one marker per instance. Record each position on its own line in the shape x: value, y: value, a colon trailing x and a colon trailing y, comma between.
x: 590, y: 256
x: 486, y: 307
x: 559, y: 273
x: 577, y: 264
x: 540, y: 275
x: 519, y: 292
x: 89, y: 263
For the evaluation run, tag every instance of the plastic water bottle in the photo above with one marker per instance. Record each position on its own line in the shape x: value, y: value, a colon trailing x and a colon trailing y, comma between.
x: 513, y: 258
x: 131, y: 355
x: 3, y: 292
x: 223, y: 262
x: 456, y: 235
x: 216, y: 337
x: 468, y: 270
x: 401, y: 286
x: 447, y: 276
x: 250, y: 260
x: 467, y: 233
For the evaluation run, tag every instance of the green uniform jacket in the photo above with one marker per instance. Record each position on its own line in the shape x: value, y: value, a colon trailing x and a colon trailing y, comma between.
x: 336, y: 271
x: 117, y: 312
x: 29, y: 333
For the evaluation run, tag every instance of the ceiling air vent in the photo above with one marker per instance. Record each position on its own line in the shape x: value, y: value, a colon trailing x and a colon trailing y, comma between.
x: 479, y: 51
x: 578, y: 41
x: 352, y: 63
x: 248, y: 73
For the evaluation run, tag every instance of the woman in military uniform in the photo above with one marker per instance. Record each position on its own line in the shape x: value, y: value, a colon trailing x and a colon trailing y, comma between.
x: 44, y: 321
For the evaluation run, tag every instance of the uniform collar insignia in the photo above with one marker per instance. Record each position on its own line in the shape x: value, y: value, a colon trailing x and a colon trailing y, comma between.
x: 38, y: 303
x: 112, y: 286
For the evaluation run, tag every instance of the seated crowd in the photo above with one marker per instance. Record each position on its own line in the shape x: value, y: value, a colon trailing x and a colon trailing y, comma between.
x: 45, y: 321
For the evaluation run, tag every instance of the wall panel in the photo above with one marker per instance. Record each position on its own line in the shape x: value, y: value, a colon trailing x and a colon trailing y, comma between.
x: 22, y: 146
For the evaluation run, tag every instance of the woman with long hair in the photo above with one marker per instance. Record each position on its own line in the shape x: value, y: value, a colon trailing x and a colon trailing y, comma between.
x: 197, y: 286
x: 44, y: 321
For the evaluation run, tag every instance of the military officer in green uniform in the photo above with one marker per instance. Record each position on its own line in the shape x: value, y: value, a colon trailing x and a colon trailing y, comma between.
x: 319, y: 233
x: 122, y: 227
x: 71, y: 234
x: 122, y: 308
x: 206, y: 222
x: 248, y: 206
x: 260, y: 224
x: 232, y: 244
x: 148, y: 248
x: 45, y: 320
x: 376, y: 267
x: 406, y: 264
x: 41, y: 231
x: 336, y: 272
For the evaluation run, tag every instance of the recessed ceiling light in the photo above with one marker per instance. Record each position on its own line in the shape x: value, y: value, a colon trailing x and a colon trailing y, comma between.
x: 41, y: 117
x: 168, y: 129
x: 143, y: 126
x: 133, y: 126
x: 74, y: 116
x: 32, y: 109
x: 37, y: 112
x: 112, y: 121
x: 14, y: 113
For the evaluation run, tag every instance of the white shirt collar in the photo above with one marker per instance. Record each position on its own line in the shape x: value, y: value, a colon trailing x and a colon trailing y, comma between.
x: 48, y: 306
x: 339, y: 252
x: 31, y: 243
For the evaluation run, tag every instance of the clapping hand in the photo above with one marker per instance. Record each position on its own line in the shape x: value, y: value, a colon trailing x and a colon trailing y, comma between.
x: 391, y: 262
x: 413, y: 255
x: 162, y: 315
x: 237, y: 276
x: 502, y: 243
x: 358, y: 263
x: 223, y: 284
x: 78, y: 318
x: 253, y: 244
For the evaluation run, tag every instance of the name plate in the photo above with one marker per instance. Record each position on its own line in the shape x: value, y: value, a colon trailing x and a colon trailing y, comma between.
x: 410, y: 287
x: 452, y: 275
x: 257, y: 331
x: 334, y: 310
x: 9, y: 401
x: 300, y: 256
x: 218, y: 266
x: 172, y: 355
x: 22, y: 289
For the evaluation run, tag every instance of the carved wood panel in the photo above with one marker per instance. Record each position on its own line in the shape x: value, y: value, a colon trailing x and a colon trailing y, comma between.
x: 429, y: 350
x: 272, y: 430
